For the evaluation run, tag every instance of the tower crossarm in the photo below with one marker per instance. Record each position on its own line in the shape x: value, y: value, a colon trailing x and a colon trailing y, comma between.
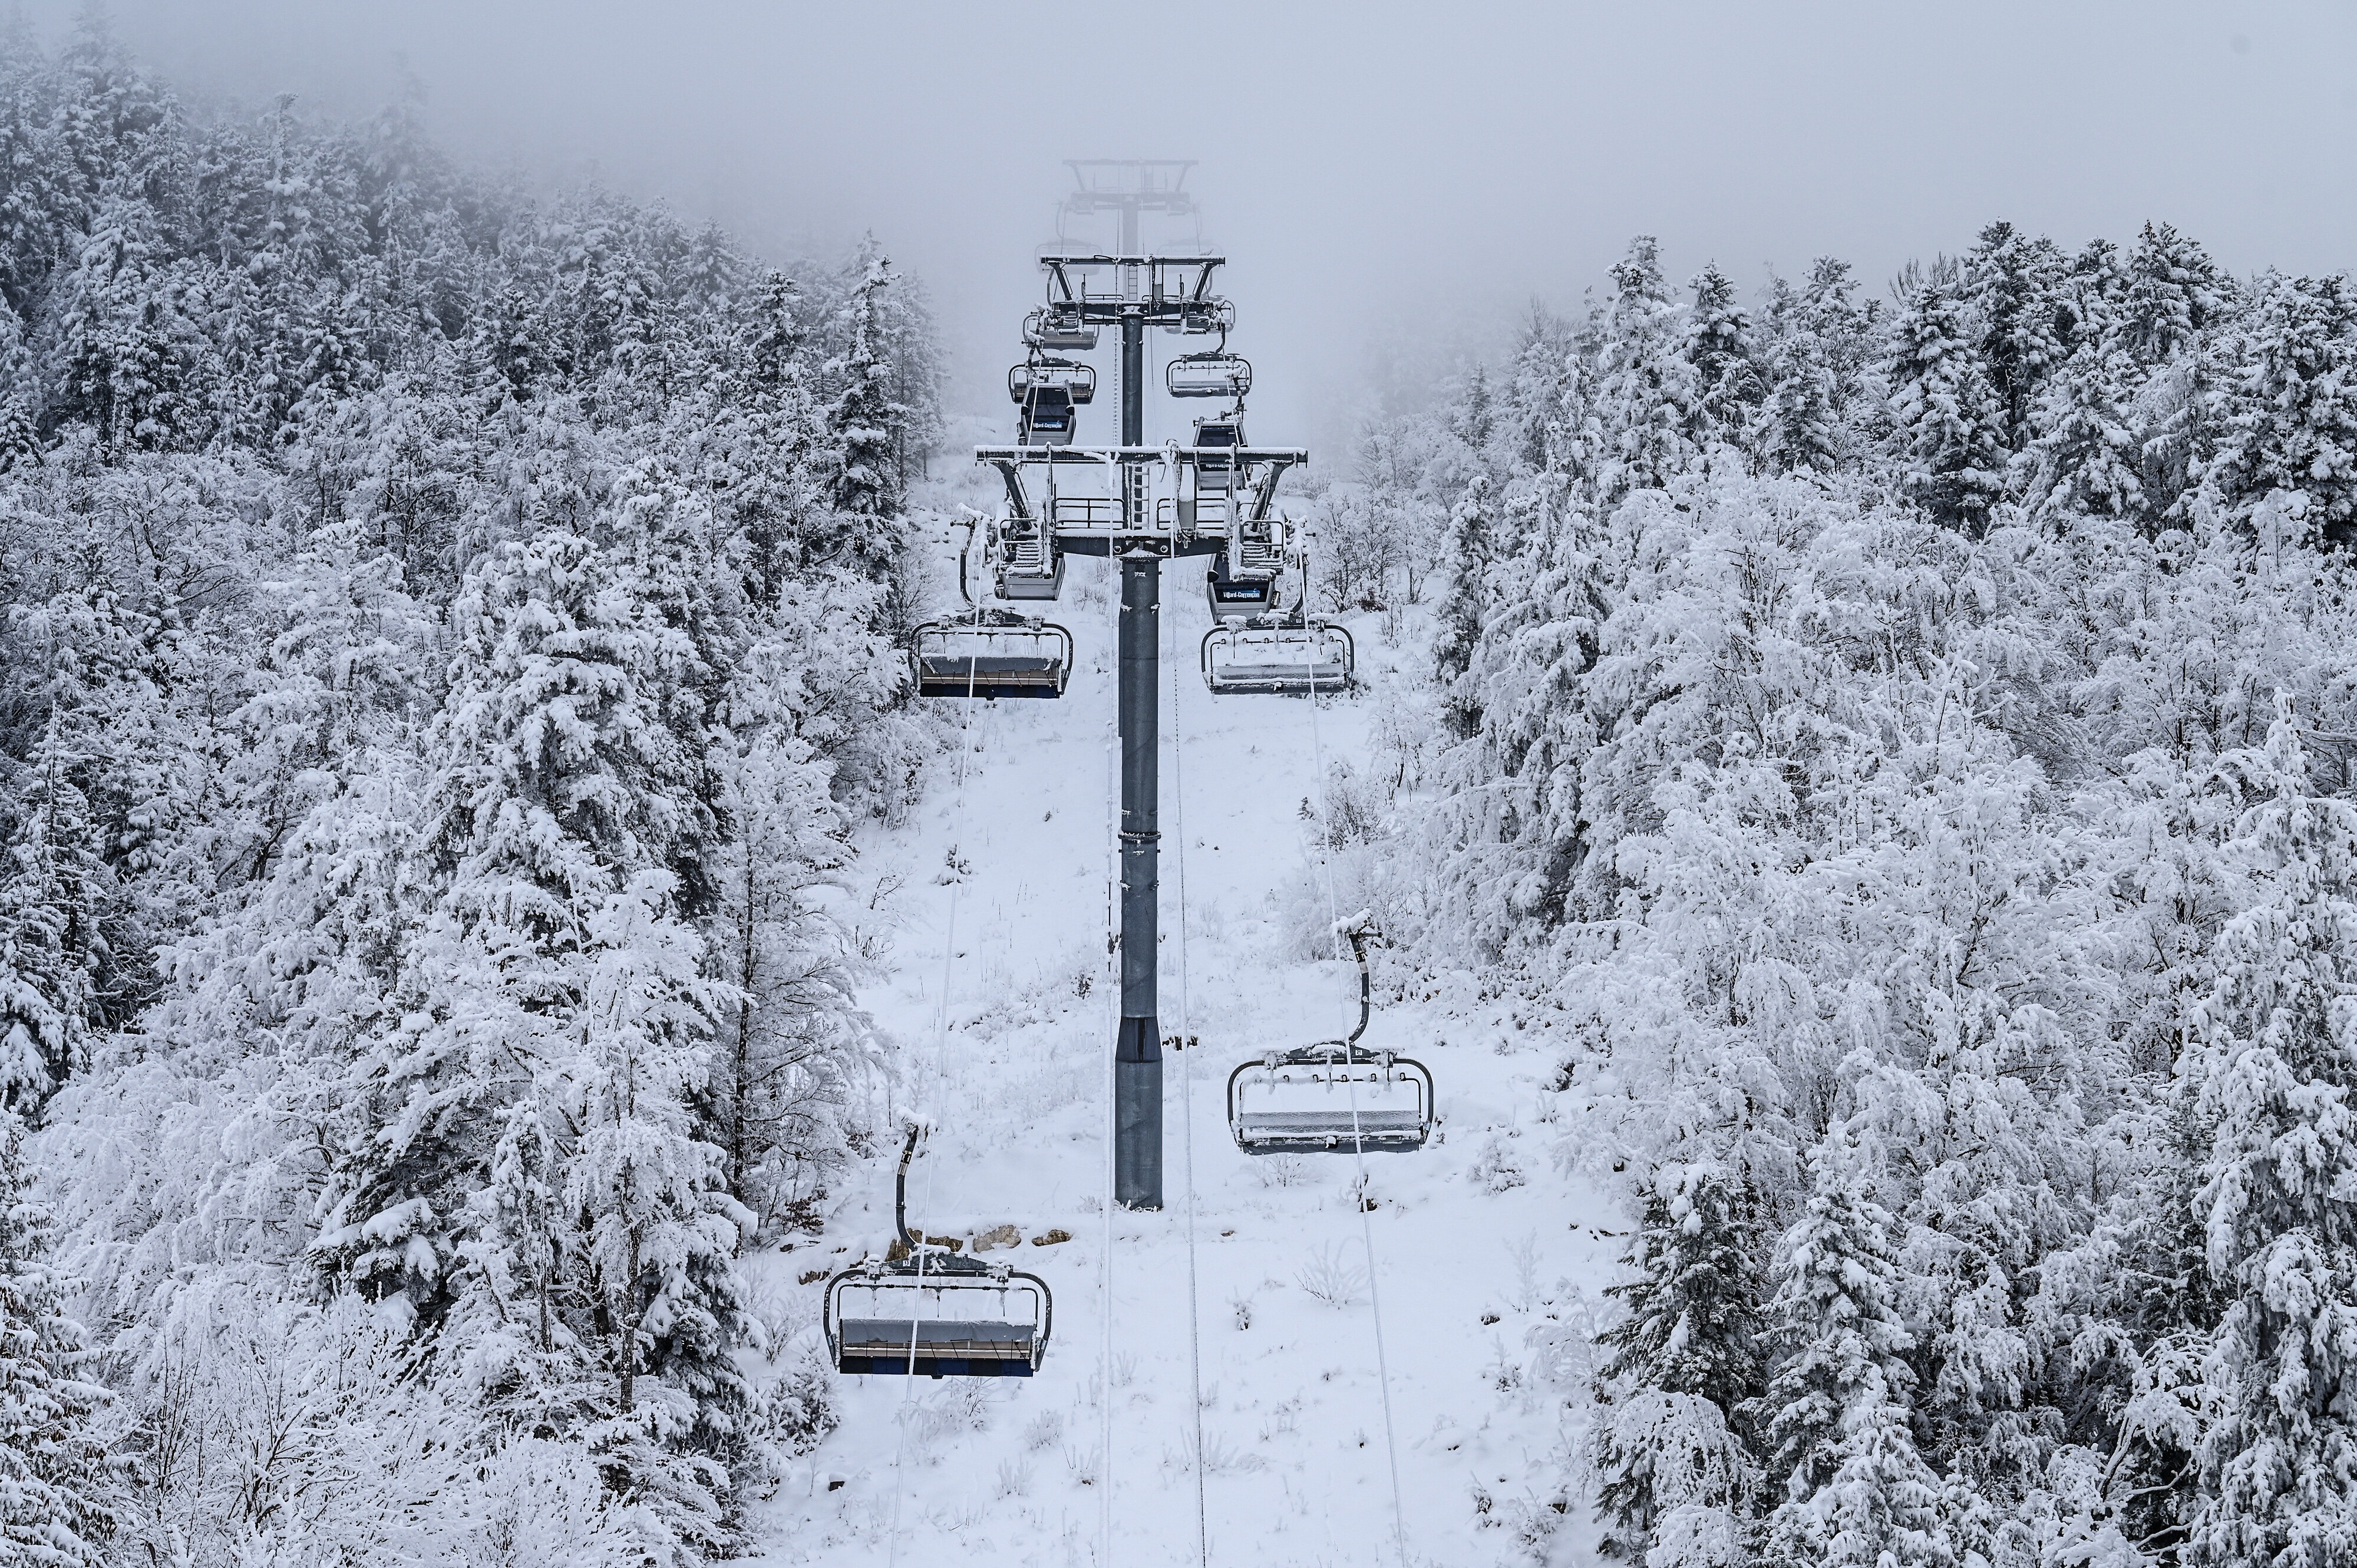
x: 1246, y: 457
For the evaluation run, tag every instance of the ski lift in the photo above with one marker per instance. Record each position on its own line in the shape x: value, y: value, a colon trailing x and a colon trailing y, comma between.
x: 1216, y: 374
x: 1079, y: 379
x: 1000, y: 655
x: 1059, y: 326
x: 934, y: 1312
x: 1336, y: 1096
x: 1271, y: 655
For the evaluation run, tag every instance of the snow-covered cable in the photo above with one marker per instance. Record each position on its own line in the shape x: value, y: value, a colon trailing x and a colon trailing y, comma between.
x: 941, y: 1051
x: 1113, y: 1119
x: 1358, y: 1147
x: 1186, y: 1102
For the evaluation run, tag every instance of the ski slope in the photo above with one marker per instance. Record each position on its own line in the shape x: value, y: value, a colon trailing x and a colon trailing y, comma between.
x: 1487, y: 1259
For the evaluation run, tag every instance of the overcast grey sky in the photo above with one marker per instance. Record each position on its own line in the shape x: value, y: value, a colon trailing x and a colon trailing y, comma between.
x: 1385, y: 178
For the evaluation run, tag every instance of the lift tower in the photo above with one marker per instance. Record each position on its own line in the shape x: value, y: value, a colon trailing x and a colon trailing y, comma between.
x: 1172, y: 292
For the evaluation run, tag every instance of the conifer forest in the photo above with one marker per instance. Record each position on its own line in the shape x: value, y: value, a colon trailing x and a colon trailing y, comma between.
x: 1852, y: 780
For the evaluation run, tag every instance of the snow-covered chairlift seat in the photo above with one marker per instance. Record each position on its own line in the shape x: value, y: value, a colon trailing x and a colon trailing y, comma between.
x: 960, y: 658
x: 1275, y: 660
x: 1029, y: 566
x: 1334, y: 1096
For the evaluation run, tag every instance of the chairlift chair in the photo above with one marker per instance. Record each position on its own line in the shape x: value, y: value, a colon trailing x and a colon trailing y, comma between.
x: 1284, y: 655
x: 1047, y: 419
x: 1217, y: 374
x: 1199, y: 318
x: 1000, y: 655
x: 1216, y: 443
x: 1025, y: 562
x: 1334, y: 1096
x: 934, y: 1312
x: 1236, y: 598
x: 1040, y: 371
x: 1053, y: 327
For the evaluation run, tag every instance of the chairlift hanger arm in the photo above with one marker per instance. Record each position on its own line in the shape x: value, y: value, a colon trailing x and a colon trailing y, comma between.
x: 1019, y: 503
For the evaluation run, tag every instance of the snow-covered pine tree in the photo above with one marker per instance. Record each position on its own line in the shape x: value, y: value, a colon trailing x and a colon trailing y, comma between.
x: 2175, y: 293
x: 1684, y: 1369
x: 1476, y: 416
x: 2274, y: 1054
x: 2290, y: 402
x: 1838, y: 1410
x: 867, y: 488
x: 1946, y: 419
x: 1729, y: 386
x: 53, y: 1468
x: 653, y: 1231
x: 20, y: 440
x: 1466, y: 557
x: 2084, y: 460
x: 54, y: 890
x: 1802, y: 427
x: 2014, y: 284
x: 1532, y: 403
x: 1647, y: 391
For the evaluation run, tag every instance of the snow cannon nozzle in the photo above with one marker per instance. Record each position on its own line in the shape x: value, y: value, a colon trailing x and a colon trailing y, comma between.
x: 1362, y: 924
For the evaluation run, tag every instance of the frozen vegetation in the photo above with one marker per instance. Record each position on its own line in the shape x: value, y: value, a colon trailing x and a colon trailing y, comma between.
x: 1854, y: 783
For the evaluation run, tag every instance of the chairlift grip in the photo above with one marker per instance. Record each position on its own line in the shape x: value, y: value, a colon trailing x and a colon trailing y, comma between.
x: 1358, y: 935
x: 901, y: 1190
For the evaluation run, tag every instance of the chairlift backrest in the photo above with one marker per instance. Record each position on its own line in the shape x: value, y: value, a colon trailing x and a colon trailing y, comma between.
x: 1200, y: 316
x: 1046, y: 417
x: 1027, y: 565
x: 1238, y: 596
x: 1216, y: 441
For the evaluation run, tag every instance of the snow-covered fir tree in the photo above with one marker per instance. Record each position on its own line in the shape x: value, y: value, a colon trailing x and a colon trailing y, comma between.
x: 1948, y: 419
x: 53, y: 1464
x: 1686, y: 1370
x: 2276, y: 1061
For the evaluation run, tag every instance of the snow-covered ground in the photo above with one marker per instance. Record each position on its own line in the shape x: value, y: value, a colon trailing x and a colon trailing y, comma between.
x: 1485, y: 1281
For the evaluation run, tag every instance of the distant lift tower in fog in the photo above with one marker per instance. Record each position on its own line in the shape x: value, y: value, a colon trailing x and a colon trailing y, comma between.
x: 1220, y: 502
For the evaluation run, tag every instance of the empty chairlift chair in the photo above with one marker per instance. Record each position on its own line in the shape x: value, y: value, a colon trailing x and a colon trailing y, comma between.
x: 934, y: 1312
x: 1047, y: 419
x: 991, y: 655
x: 1336, y: 1096
x: 1217, y: 374
x: 1290, y: 656
x: 1024, y: 561
x: 1050, y: 392
x: 1060, y: 327
x: 1236, y: 596
x: 1217, y: 441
